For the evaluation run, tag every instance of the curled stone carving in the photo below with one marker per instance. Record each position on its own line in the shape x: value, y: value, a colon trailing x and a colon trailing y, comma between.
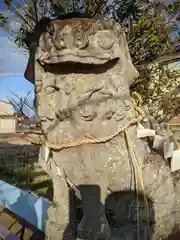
x: 104, y: 39
x: 83, y: 74
x: 88, y: 113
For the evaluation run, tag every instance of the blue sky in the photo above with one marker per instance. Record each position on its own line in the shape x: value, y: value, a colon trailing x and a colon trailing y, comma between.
x: 12, y: 66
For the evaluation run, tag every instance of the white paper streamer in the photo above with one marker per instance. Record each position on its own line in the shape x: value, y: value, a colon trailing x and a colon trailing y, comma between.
x: 158, y: 142
x: 168, y: 149
x: 145, y: 132
x: 175, y: 160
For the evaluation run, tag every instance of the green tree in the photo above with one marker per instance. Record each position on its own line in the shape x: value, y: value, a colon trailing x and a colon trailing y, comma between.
x: 148, y: 26
x: 152, y: 38
x: 25, y: 16
x: 3, y: 20
x: 28, y: 12
x: 127, y: 13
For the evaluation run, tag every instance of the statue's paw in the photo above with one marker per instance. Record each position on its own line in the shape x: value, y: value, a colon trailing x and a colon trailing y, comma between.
x: 83, y: 229
x: 98, y: 231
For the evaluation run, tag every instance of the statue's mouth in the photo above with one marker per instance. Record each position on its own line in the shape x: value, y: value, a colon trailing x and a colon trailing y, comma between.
x: 76, y: 45
x: 78, y: 67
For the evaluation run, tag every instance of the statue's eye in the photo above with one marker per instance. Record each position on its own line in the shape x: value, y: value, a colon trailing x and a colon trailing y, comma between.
x: 51, y: 89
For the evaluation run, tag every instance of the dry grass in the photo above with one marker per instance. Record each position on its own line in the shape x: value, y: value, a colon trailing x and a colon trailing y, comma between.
x: 19, y: 164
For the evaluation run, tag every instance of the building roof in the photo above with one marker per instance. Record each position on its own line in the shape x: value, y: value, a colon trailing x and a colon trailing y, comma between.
x: 7, y: 116
x: 2, y: 101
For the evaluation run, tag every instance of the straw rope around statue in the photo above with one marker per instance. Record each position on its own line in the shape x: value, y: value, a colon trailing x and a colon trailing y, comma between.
x: 140, y: 115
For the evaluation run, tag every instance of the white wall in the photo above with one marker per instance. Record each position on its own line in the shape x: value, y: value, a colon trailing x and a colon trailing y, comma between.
x: 7, y: 125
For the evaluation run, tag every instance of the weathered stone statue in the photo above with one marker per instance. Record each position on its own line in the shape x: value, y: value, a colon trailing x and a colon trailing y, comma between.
x: 83, y: 71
